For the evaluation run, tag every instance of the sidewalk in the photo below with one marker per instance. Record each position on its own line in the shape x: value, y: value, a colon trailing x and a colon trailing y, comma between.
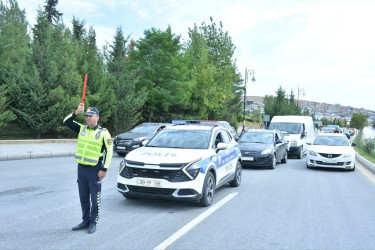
x: 31, y: 149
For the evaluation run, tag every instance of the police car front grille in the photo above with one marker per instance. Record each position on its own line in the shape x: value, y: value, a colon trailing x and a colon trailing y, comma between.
x: 150, y: 190
x: 169, y: 175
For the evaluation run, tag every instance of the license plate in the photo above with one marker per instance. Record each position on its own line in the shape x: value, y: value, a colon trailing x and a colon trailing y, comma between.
x: 330, y: 161
x: 119, y: 147
x: 149, y: 183
x: 246, y: 158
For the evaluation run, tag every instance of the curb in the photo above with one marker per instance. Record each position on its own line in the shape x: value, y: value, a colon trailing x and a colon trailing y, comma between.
x: 35, y: 155
x: 38, y: 141
x: 370, y: 166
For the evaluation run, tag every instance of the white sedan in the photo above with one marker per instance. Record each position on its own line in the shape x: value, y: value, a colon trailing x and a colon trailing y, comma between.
x: 330, y: 150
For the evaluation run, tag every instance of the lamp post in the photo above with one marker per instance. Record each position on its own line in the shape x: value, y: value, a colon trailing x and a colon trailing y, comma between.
x: 247, y: 72
x: 303, y: 93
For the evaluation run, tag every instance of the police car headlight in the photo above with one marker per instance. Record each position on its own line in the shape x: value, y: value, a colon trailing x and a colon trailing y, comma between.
x: 192, y: 169
x: 266, y: 151
x: 122, y: 165
x: 139, y: 138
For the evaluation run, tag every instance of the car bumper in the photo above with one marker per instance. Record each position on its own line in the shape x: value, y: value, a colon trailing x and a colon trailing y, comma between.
x: 187, y: 190
x: 343, y: 163
x: 293, y: 150
x: 261, y: 161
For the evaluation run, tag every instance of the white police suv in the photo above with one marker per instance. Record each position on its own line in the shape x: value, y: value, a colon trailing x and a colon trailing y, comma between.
x: 183, y: 162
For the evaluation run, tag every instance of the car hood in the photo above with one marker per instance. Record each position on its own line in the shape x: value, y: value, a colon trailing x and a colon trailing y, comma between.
x: 332, y: 149
x: 259, y: 147
x: 130, y: 135
x: 151, y: 155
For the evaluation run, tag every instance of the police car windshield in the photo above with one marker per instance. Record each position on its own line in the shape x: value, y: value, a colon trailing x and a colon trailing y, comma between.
x: 331, y: 141
x: 189, y: 139
x: 145, y: 128
x: 254, y: 137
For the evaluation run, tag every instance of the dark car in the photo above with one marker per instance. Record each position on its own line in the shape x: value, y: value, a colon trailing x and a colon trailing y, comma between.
x: 126, y: 142
x: 263, y: 148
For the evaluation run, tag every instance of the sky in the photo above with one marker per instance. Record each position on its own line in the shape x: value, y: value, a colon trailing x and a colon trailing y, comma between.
x: 323, y: 50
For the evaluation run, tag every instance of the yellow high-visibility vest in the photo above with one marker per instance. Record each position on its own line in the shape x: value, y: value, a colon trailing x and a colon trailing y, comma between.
x: 89, y: 145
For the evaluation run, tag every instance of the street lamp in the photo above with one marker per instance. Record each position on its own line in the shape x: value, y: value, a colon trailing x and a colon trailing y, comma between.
x: 247, y: 72
x: 303, y: 93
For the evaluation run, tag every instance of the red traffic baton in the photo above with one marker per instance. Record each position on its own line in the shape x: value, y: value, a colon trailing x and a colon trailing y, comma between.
x: 84, y: 89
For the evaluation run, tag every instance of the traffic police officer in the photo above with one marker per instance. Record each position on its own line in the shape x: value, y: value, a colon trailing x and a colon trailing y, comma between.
x: 94, y: 153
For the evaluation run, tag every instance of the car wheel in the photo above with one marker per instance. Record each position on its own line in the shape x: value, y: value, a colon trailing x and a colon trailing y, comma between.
x: 300, y: 155
x: 273, y: 164
x: 285, y: 159
x: 237, y: 176
x: 352, y: 169
x: 121, y: 154
x: 208, y: 190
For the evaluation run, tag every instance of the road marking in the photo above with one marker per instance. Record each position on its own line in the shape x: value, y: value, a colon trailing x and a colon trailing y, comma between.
x: 365, y: 171
x: 194, y: 222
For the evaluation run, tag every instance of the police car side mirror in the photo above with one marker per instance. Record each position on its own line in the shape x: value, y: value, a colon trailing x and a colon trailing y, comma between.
x: 221, y: 146
x: 354, y: 144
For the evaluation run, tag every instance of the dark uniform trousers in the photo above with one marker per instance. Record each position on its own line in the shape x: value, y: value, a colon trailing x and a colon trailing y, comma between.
x: 89, y: 187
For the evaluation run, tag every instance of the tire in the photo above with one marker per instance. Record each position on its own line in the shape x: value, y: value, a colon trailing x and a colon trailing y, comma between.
x: 237, y: 176
x: 353, y: 169
x: 285, y: 159
x: 273, y: 164
x: 121, y: 154
x: 300, y: 155
x: 208, y: 190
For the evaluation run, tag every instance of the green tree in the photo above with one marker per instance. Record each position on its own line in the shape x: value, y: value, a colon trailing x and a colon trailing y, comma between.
x: 128, y: 100
x: 53, y: 15
x: 359, y: 121
x: 5, y: 115
x: 158, y: 59
x: 215, y: 81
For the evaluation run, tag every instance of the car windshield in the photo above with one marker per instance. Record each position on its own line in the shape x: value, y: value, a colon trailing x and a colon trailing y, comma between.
x: 145, y: 128
x: 254, y: 137
x: 190, y: 139
x: 290, y: 128
x: 331, y: 141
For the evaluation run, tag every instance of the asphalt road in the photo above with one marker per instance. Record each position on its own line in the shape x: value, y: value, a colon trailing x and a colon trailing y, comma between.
x: 291, y: 207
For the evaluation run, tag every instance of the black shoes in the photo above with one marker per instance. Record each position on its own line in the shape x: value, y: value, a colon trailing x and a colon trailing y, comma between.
x: 92, y: 228
x: 81, y: 226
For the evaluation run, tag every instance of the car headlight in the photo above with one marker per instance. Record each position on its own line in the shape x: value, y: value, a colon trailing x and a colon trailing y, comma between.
x: 122, y: 165
x: 347, y: 155
x: 139, y: 138
x: 312, y: 153
x: 267, y: 151
x: 192, y: 170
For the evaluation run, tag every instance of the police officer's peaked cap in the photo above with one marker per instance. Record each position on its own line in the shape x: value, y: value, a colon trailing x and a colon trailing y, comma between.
x: 92, y: 111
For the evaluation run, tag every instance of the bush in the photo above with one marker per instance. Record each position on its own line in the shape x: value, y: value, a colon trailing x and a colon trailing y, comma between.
x: 369, y: 145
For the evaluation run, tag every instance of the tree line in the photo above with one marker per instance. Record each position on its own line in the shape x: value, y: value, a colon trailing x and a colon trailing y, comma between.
x: 156, y: 78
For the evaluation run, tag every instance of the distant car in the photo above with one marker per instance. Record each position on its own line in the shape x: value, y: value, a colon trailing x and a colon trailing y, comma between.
x: 347, y: 133
x: 126, y: 142
x: 328, y: 130
x: 331, y: 151
x: 263, y: 148
x: 182, y: 162
x: 336, y: 127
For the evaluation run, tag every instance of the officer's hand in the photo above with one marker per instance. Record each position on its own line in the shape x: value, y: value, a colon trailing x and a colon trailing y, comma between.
x: 80, y: 109
x: 101, y: 174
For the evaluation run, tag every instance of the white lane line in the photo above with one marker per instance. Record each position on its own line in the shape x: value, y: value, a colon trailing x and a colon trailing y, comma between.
x: 194, y: 222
